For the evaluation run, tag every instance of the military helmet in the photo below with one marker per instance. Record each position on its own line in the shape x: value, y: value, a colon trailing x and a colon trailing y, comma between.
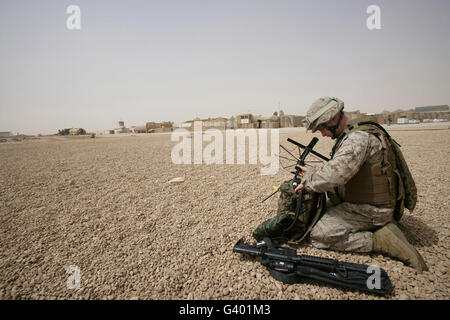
x: 322, y: 111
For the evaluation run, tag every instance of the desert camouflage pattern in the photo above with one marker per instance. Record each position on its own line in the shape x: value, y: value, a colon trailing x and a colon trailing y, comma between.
x: 347, y: 226
x: 409, y: 186
x: 287, y: 202
x: 288, y: 198
x: 275, y: 228
x: 357, y: 148
x: 321, y: 111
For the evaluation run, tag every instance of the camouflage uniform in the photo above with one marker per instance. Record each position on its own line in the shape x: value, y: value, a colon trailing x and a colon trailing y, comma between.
x: 347, y: 226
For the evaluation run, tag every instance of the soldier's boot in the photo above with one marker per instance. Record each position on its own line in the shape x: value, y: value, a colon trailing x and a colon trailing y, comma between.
x: 391, y: 241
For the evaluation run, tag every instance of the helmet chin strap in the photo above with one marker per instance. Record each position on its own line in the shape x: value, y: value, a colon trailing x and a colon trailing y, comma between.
x: 335, y: 127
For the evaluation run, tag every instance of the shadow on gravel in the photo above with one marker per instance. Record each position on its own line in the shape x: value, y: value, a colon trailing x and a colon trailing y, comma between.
x: 417, y: 232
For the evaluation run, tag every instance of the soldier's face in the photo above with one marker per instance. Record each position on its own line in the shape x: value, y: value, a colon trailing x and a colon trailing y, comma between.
x: 324, y: 132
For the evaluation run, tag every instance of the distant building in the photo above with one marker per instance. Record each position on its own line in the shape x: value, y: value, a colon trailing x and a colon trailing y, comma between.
x: 432, y: 108
x: 138, y: 129
x: 215, y: 123
x: 77, y: 131
x: 159, y: 126
x: 165, y: 127
x: 353, y: 114
x: 288, y: 121
x: 121, y: 128
x: 284, y: 121
x: 249, y: 121
x: 232, y: 123
x: 151, y: 126
x: 268, y: 122
x: 5, y: 133
x: 402, y: 120
x: 246, y: 120
x: 187, y: 124
x: 219, y: 123
x: 423, y: 116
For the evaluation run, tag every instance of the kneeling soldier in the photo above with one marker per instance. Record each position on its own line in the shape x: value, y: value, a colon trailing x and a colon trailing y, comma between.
x: 364, y: 184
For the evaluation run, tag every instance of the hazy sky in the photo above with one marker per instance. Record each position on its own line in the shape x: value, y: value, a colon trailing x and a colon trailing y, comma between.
x: 141, y: 61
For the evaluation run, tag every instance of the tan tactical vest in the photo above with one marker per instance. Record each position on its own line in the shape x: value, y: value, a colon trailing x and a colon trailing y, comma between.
x: 374, y: 184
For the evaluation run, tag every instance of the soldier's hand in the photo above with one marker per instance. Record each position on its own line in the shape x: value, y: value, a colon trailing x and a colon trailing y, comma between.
x: 299, y: 187
x: 303, y: 170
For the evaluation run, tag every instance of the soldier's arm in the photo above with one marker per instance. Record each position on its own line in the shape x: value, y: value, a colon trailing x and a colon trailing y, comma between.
x: 345, y: 164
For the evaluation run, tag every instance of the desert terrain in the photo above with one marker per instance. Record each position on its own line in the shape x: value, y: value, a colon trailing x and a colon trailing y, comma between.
x: 105, y: 205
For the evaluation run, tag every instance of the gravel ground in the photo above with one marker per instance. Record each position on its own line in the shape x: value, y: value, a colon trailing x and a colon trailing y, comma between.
x: 105, y: 206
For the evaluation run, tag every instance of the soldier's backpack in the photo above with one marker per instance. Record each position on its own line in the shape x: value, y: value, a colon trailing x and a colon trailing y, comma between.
x: 284, y: 227
x: 407, y: 191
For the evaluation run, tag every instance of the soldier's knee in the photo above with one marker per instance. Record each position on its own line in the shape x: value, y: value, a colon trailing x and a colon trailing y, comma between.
x: 328, y: 232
